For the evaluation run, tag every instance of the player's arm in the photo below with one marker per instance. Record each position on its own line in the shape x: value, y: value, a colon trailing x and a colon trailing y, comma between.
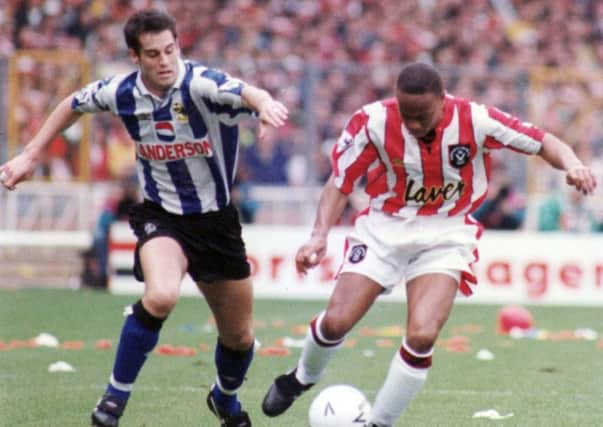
x: 351, y: 157
x: 271, y: 112
x: 23, y: 165
x: 560, y: 155
x: 330, y: 207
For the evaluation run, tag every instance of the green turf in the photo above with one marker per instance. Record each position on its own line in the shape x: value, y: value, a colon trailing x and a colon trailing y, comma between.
x: 544, y: 383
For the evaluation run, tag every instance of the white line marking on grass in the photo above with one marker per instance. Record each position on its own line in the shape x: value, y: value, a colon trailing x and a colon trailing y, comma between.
x: 457, y: 392
x: 472, y: 392
x: 187, y: 388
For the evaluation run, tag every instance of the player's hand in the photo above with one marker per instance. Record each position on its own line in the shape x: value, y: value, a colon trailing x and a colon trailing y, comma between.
x: 310, y: 254
x: 582, y: 178
x: 17, y: 169
x: 272, y: 113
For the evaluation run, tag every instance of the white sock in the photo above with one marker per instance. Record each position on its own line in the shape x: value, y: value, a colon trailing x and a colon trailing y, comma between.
x: 401, y: 385
x: 316, y: 354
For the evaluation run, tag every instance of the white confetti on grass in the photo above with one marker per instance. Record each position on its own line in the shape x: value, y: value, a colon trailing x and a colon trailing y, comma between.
x: 484, y: 354
x: 46, y: 340
x: 492, y: 414
x: 294, y: 343
x: 60, y: 366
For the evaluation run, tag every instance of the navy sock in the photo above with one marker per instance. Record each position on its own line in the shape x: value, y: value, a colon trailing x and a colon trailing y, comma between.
x: 232, y: 366
x: 139, y: 336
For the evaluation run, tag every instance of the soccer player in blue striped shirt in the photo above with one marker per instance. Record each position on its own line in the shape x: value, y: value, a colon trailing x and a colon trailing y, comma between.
x: 184, y: 120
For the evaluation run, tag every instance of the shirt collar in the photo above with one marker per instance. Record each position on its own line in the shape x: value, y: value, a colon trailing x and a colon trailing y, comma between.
x: 176, y: 86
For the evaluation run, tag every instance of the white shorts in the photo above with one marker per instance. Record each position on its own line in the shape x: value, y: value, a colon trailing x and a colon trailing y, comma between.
x: 390, y: 249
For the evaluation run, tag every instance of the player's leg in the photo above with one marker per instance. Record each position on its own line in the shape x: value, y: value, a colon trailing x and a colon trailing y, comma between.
x: 163, y: 264
x: 354, y: 294
x: 231, y: 302
x: 430, y: 298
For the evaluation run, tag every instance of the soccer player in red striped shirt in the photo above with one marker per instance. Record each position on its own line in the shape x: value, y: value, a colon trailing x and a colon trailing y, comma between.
x: 426, y: 157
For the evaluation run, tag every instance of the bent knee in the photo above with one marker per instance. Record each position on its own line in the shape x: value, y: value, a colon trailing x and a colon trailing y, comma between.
x: 240, y: 341
x: 334, y: 327
x: 161, y: 302
x: 422, y: 340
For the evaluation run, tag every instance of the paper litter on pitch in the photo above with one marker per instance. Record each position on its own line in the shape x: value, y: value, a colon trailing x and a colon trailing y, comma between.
x: 484, y: 354
x: 492, y: 414
x: 60, y: 366
x: 46, y: 340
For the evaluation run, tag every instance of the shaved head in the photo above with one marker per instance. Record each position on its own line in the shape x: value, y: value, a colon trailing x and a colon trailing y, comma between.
x: 418, y: 79
x: 420, y: 94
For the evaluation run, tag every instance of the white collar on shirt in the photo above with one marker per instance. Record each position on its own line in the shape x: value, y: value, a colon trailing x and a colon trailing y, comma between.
x: 176, y: 86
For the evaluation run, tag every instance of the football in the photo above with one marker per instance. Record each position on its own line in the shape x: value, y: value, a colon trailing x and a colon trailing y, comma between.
x: 339, y: 406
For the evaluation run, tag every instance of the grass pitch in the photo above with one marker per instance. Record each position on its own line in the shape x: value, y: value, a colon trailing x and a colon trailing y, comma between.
x: 557, y: 381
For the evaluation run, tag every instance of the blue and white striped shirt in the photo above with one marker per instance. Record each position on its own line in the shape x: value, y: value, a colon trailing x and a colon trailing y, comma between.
x: 187, y: 142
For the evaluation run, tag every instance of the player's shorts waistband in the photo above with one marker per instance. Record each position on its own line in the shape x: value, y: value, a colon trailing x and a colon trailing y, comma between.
x: 156, y: 207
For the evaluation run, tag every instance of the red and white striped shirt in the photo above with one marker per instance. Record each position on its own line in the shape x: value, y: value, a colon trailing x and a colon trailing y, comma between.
x: 446, y: 177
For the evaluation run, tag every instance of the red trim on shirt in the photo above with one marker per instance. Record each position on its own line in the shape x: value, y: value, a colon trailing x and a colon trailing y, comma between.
x: 488, y: 166
x: 394, y: 147
x: 466, y: 136
x: 431, y: 159
x: 357, y: 124
x: 515, y: 124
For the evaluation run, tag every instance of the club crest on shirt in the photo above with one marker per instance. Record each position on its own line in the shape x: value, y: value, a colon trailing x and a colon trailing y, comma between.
x: 459, y: 155
x: 357, y: 254
x: 178, y: 109
x: 165, y: 131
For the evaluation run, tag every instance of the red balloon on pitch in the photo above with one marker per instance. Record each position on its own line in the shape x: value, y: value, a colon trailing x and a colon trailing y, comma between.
x: 514, y: 316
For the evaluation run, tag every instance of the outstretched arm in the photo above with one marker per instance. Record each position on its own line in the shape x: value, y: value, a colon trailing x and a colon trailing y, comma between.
x: 560, y: 155
x: 331, y: 206
x: 272, y: 112
x: 22, y: 166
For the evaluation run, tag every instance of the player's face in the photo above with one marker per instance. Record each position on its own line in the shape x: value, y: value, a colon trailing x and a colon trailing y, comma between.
x: 420, y: 113
x: 158, y: 61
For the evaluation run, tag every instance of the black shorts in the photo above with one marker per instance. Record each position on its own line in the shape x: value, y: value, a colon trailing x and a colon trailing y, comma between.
x: 211, y: 241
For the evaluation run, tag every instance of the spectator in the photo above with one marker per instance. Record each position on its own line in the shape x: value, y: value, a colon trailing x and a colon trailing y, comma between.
x: 241, y: 197
x: 567, y: 211
x: 117, y: 207
x: 503, y: 209
x: 266, y: 161
x: 552, y: 48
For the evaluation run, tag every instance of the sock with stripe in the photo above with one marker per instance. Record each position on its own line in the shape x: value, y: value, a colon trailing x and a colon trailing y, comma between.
x: 139, y: 336
x: 316, y: 354
x: 232, y: 366
x: 406, y: 376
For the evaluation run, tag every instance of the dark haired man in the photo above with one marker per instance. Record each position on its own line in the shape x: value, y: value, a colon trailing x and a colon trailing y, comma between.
x: 425, y: 154
x: 183, y: 118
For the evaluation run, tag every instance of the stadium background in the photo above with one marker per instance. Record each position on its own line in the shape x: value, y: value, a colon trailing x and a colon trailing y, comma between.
x: 541, y: 60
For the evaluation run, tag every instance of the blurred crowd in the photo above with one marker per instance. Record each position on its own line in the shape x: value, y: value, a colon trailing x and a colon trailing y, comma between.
x: 539, y: 59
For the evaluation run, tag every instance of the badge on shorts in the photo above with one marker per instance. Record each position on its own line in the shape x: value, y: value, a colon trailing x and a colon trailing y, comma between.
x: 150, y: 228
x: 459, y: 154
x: 357, y: 254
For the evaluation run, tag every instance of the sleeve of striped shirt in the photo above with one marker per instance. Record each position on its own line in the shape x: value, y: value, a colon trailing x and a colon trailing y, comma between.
x: 502, y: 130
x: 353, y: 153
x: 221, y: 93
x: 94, y: 98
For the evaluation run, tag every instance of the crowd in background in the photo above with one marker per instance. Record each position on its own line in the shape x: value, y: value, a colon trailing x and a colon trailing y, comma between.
x: 539, y: 59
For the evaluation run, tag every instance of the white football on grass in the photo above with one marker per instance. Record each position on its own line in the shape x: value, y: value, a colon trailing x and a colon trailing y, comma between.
x: 339, y: 406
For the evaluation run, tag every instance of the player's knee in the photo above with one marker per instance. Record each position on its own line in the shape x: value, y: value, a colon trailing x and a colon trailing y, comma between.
x: 334, y: 327
x: 421, y: 340
x: 238, y: 341
x: 149, y: 320
x: 160, y: 302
